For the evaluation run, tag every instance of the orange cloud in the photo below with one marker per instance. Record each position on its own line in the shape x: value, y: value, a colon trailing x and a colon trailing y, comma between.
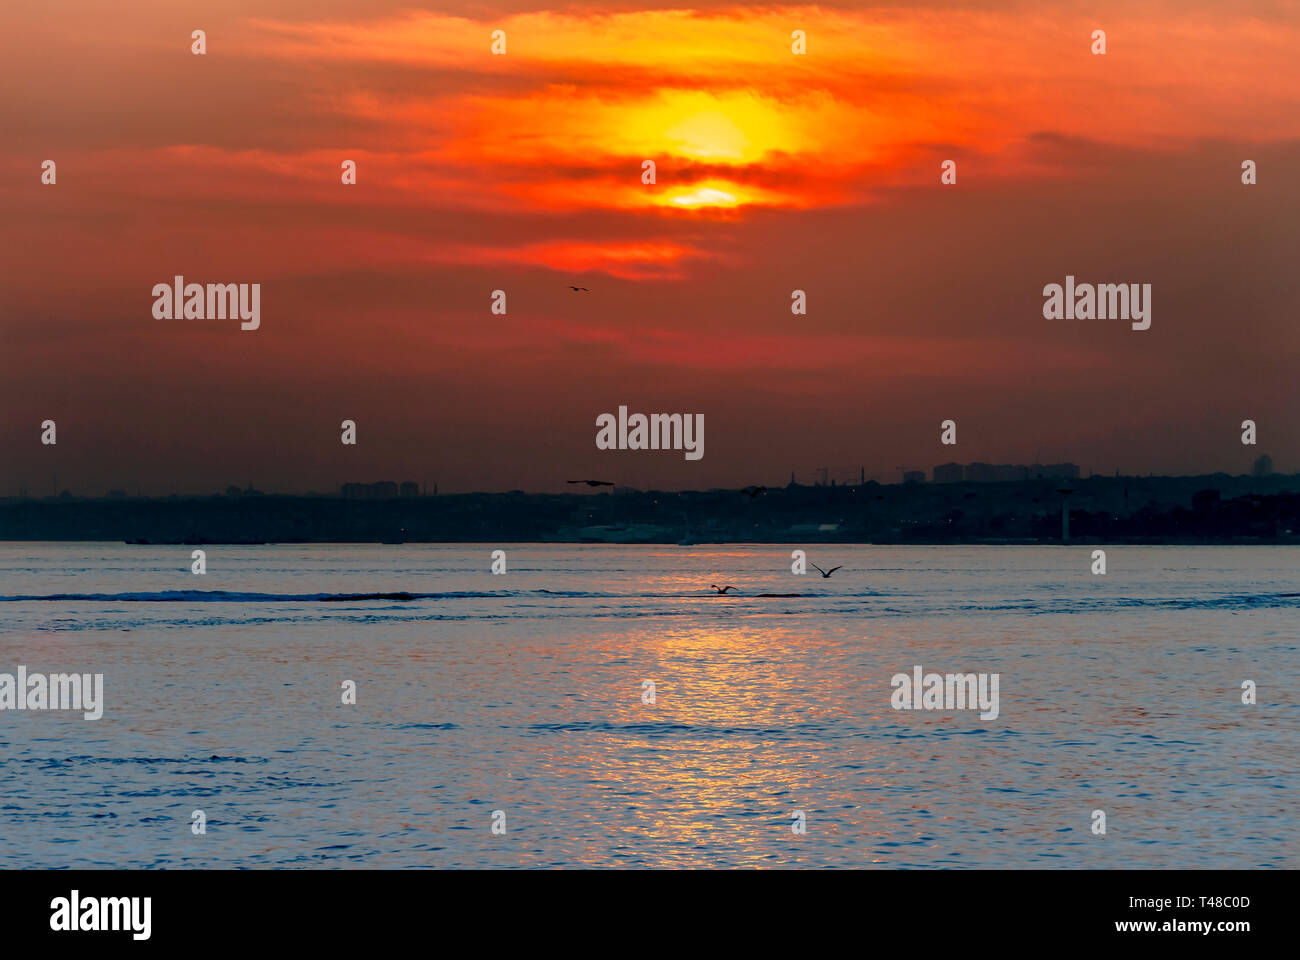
x: 875, y: 92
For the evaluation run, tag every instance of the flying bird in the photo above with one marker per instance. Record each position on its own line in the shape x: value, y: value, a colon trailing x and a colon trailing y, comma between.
x: 826, y: 574
x: 575, y: 289
x: 593, y: 483
x: 722, y: 590
x: 754, y: 491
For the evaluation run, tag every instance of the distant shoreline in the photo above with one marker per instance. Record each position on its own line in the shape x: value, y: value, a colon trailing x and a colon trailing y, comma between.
x: 1212, y: 510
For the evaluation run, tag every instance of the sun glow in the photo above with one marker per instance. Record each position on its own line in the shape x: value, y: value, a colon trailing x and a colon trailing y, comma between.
x: 702, y: 196
x: 710, y: 135
x: 724, y: 128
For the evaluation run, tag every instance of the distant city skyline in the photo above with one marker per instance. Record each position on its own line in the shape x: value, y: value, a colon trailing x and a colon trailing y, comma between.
x: 952, y: 472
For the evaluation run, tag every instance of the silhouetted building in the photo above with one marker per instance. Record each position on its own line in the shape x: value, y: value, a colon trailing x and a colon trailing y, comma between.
x: 1262, y: 467
x: 994, y: 473
x: 914, y: 476
x: 409, y: 488
x: 980, y: 472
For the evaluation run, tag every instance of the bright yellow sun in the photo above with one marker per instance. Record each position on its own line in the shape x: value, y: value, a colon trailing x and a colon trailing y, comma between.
x: 727, y: 128
x: 710, y: 135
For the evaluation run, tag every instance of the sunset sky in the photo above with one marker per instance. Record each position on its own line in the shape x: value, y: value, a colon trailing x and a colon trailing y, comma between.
x: 522, y: 172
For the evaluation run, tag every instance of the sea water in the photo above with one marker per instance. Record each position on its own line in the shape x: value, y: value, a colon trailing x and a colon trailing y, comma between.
x: 524, y: 693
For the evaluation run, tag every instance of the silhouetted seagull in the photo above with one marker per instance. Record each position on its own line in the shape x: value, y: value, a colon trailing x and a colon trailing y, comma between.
x: 592, y: 483
x: 722, y: 590
x: 583, y: 289
x: 826, y: 574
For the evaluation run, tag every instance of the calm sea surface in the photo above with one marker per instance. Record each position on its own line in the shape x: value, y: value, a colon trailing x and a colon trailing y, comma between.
x: 523, y: 693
